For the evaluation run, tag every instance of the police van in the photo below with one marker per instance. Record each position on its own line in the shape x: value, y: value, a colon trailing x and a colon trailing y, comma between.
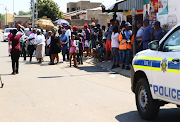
x: 155, y: 75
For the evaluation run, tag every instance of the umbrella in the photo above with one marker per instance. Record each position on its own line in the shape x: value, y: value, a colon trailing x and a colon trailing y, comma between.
x: 44, y: 23
x: 61, y: 22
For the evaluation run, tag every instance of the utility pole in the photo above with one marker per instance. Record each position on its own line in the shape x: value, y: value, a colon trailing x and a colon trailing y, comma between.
x: 134, y: 26
x: 36, y: 10
x: 33, y: 14
x: 13, y: 14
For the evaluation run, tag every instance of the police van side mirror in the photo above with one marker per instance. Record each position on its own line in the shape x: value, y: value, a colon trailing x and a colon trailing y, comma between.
x: 154, y: 45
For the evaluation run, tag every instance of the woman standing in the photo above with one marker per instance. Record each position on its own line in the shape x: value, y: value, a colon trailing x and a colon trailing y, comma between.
x: 115, y: 47
x: 73, y: 51
x: 55, y: 47
x: 40, y: 42
x: 15, y: 52
x: 30, y: 43
x: 65, y: 43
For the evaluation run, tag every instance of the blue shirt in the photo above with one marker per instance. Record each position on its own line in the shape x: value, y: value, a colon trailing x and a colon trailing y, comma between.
x: 160, y: 34
x: 140, y: 33
x: 147, y: 33
x: 65, y: 39
x: 108, y: 33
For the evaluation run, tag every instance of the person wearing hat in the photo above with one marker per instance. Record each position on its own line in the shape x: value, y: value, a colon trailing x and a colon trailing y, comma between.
x: 74, y: 30
x: 122, y: 27
x: 126, y: 39
x: 30, y: 43
x: 86, y: 34
x: 108, y: 34
x: 40, y: 42
x: 15, y: 52
x: 159, y: 32
x: 148, y: 34
x: 99, y: 32
x: 139, y: 35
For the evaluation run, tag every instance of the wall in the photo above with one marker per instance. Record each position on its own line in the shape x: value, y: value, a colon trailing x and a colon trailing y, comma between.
x: 102, y: 19
x: 93, y: 14
x: 71, y: 5
x: 76, y: 22
x: 9, y: 18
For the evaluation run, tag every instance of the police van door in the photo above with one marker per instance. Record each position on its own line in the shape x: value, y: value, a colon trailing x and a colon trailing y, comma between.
x: 166, y: 68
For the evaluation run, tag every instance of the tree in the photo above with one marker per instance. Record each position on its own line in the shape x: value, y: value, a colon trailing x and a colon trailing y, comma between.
x: 50, y: 9
x: 1, y: 17
x: 23, y: 13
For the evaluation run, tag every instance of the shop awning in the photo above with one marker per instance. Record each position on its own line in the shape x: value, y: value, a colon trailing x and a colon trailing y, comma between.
x: 121, y: 5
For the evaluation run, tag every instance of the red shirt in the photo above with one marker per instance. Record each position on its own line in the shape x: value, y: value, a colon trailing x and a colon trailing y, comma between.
x: 16, y: 42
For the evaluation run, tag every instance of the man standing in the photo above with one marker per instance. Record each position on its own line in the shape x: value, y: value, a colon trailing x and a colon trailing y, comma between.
x: 126, y: 39
x: 148, y: 34
x: 30, y: 43
x: 160, y: 32
x: 64, y: 41
x: 139, y: 36
x: 99, y: 32
x: 60, y: 30
x: 108, y: 34
x: 68, y: 33
x: 15, y: 52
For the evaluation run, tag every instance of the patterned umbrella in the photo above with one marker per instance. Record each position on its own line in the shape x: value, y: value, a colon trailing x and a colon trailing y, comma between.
x: 61, y: 22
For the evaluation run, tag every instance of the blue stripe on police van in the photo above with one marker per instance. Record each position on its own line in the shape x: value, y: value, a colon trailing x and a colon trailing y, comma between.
x: 143, y: 63
x: 156, y: 64
x: 172, y: 65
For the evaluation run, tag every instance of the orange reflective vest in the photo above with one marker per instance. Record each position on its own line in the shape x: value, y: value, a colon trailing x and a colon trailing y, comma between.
x: 123, y: 44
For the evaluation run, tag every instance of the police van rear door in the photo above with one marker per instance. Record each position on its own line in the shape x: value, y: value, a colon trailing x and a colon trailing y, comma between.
x: 166, y: 69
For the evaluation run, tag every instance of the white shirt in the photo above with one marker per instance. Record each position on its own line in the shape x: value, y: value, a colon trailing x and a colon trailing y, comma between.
x: 115, y: 40
x: 68, y: 33
x: 140, y: 33
x: 32, y: 35
x: 40, y: 39
x: 49, y: 41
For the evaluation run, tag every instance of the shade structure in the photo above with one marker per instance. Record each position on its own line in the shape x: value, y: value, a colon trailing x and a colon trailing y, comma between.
x: 44, y: 23
x: 61, y: 22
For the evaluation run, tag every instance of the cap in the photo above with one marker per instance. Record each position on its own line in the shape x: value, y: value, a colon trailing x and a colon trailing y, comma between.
x: 128, y: 24
x: 157, y: 23
x: 74, y: 27
x: 38, y: 30
x: 146, y: 20
x: 93, y: 24
x: 139, y: 22
x: 98, y: 24
x: 104, y: 38
x: 86, y: 25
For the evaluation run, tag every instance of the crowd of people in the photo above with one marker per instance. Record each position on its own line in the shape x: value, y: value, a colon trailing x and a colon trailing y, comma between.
x: 113, y: 44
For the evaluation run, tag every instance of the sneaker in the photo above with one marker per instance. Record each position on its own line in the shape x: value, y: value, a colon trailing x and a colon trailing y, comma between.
x: 114, y: 66
x: 123, y: 66
x: 127, y: 68
x: 17, y: 72
x: 13, y: 73
x: 118, y: 65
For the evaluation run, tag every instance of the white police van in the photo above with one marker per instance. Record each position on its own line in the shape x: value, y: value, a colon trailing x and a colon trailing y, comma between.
x: 155, y: 75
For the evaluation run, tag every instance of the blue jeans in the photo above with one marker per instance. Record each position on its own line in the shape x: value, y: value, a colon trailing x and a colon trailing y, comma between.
x: 121, y: 55
x: 126, y: 56
x: 64, y: 51
x: 102, y: 51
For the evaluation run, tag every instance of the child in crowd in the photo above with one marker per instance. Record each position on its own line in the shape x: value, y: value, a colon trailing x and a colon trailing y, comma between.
x: 81, y: 48
x: 96, y: 50
x: 102, y: 49
x: 73, y: 51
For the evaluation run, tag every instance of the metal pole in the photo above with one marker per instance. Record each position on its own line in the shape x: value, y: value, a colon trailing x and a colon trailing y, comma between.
x: 13, y: 14
x: 36, y: 9
x: 33, y: 14
x: 134, y: 26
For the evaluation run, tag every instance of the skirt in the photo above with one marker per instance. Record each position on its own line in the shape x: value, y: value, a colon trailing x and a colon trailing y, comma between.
x: 73, y: 50
x: 40, y: 51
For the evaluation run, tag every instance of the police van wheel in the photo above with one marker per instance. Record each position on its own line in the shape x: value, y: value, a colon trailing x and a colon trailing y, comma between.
x: 144, y: 101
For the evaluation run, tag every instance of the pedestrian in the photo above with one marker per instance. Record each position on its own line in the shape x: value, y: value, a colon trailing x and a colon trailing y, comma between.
x: 73, y: 52
x: 103, y: 31
x: 40, y: 43
x: 102, y: 49
x: 122, y: 27
x: 74, y: 30
x: 126, y: 39
x: 48, y: 45
x: 30, y: 42
x: 65, y: 43
x: 86, y: 34
x: 15, y: 52
x: 160, y: 32
x: 148, y: 34
x: 139, y: 34
x: 99, y: 32
x: 115, y: 47
x: 55, y: 47
x: 9, y: 42
x: 29, y: 31
x: 68, y: 33
x: 60, y: 29
x: 81, y: 48
x: 93, y: 37
x: 108, y: 34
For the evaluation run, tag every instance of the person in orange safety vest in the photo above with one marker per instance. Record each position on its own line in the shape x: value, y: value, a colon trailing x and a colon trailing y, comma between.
x: 126, y: 39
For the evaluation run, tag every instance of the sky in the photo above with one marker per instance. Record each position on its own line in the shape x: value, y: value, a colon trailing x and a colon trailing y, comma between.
x: 24, y: 5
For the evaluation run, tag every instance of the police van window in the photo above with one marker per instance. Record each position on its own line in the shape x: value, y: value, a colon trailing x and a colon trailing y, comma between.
x: 172, y: 44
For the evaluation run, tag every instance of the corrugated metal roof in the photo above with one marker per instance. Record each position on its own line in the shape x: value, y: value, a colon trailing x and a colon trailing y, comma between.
x: 127, y: 5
